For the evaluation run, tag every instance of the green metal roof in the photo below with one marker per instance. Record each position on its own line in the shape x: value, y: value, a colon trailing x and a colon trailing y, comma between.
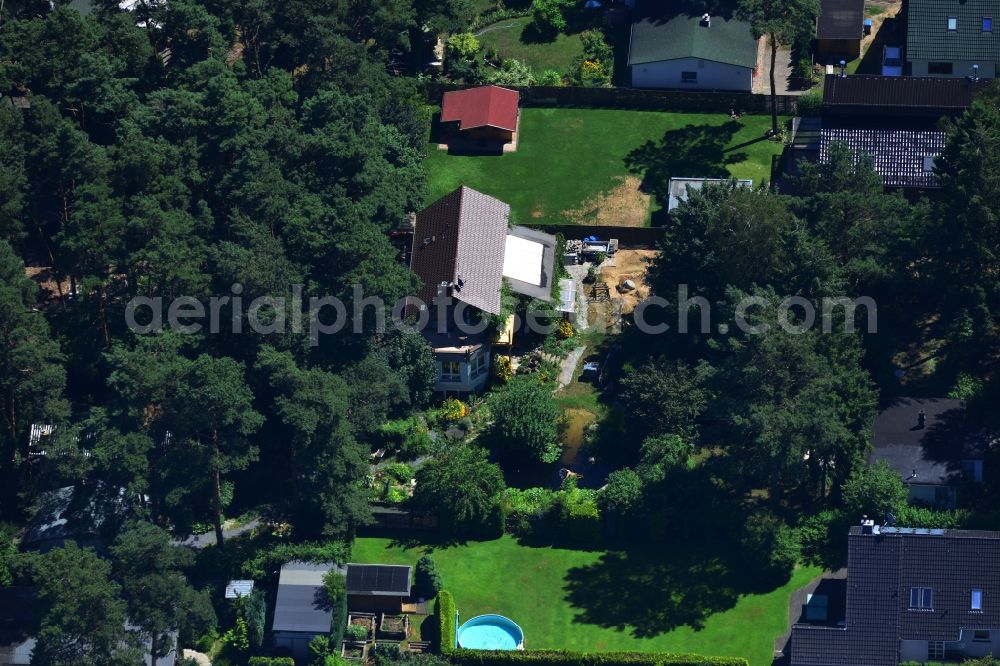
x: 679, y: 33
x: 928, y: 37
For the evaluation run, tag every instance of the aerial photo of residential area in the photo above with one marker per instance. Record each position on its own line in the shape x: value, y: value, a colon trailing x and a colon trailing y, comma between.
x: 499, y: 333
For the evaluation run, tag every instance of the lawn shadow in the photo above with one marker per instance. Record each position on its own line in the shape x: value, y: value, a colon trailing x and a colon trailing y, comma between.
x: 694, y: 151
x: 653, y: 591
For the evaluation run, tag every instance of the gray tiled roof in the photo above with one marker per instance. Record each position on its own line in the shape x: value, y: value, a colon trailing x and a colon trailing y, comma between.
x: 928, y: 37
x: 881, y: 570
x: 897, y: 154
x: 672, y: 30
x: 461, y: 237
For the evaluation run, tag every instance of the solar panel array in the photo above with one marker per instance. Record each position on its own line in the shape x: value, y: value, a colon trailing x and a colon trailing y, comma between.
x: 378, y: 579
x: 898, y: 154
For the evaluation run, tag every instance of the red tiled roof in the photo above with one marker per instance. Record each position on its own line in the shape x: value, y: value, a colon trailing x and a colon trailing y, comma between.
x: 487, y: 106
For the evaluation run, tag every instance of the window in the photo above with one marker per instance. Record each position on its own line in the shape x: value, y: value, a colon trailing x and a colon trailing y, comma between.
x: 921, y: 598
x: 981, y: 636
x: 935, y: 650
x: 987, y: 24
x: 976, y: 602
x: 928, y: 163
x: 689, y: 77
x: 451, y: 371
x: 939, y: 68
x: 478, y: 365
x: 952, y: 23
x: 944, y: 496
x: 973, y: 469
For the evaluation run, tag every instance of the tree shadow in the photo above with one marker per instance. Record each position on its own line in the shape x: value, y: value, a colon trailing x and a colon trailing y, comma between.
x: 694, y: 151
x: 653, y: 591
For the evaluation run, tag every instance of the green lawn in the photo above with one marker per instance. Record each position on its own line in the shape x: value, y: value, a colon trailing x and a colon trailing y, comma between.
x: 510, y: 40
x: 645, y: 600
x: 572, y: 165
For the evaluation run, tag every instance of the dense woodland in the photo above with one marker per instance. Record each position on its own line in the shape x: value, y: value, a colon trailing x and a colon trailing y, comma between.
x: 192, y: 146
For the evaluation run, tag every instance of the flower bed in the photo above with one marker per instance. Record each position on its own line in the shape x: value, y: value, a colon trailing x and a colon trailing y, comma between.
x: 366, y: 620
x: 354, y: 651
x: 393, y: 626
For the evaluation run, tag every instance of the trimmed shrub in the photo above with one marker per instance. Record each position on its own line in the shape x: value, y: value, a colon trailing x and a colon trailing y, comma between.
x: 268, y: 560
x: 810, y: 104
x: 336, y: 593
x: 545, y: 657
x: 581, y: 522
x: 427, y: 580
x: 444, y: 609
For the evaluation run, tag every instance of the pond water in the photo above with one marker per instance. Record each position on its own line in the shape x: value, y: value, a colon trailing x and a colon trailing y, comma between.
x: 575, y: 424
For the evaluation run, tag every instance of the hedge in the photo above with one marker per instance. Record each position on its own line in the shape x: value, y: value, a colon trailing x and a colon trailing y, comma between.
x: 271, y: 661
x: 557, y: 657
x: 445, y: 611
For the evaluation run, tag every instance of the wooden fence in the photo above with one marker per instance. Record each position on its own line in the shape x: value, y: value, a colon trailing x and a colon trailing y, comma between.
x: 689, y: 101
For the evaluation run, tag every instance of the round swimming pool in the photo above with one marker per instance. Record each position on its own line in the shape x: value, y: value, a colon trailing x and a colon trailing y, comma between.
x: 490, y: 632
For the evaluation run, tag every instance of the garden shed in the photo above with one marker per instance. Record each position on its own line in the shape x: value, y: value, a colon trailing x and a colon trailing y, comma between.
x: 377, y: 587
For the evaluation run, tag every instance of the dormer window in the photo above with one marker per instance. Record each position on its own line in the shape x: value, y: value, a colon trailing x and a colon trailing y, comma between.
x: 921, y: 598
x: 976, y: 602
x: 952, y: 23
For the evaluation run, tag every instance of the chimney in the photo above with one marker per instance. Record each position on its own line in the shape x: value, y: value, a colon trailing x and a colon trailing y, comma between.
x: 867, y: 525
x: 921, y: 419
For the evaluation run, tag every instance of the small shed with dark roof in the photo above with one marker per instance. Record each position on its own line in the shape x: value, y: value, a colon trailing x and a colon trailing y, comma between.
x: 840, y: 28
x: 377, y: 587
x: 488, y: 113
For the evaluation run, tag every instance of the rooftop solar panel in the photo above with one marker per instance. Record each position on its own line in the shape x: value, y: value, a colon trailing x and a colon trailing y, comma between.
x: 378, y: 579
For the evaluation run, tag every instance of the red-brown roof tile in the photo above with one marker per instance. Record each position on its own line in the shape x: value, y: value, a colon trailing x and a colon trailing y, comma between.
x: 486, y: 106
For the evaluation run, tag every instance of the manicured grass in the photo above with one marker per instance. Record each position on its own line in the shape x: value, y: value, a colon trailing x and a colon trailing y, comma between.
x: 572, y: 162
x: 646, y: 600
x: 513, y: 38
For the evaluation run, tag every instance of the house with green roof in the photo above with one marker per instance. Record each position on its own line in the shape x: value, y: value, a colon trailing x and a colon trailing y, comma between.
x: 952, y: 38
x: 691, y: 45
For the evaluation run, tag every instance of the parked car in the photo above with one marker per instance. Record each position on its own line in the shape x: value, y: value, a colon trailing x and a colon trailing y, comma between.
x: 892, y: 61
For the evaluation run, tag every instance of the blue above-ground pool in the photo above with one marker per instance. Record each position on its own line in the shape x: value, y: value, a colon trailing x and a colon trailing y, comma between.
x: 490, y: 632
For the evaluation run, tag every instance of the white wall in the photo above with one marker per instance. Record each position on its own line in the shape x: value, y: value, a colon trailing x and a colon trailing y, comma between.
x: 467, y: 383
x: 711, y: 75
x: 17, y: 654
x: 987, y: 70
